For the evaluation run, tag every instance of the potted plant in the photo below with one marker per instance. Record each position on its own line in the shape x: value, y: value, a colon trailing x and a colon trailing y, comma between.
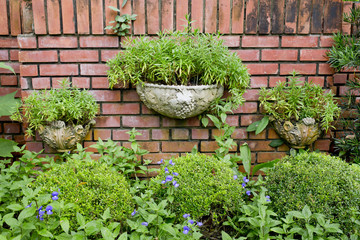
x: 61, y: 116
x: 298, y: 110
x: 179, y: 74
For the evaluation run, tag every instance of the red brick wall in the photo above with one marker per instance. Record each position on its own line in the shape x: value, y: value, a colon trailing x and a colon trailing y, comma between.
x: 272, y: 38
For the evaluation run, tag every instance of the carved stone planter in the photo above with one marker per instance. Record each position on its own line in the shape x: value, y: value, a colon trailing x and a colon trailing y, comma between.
x: 62, y: 137
x: 178, y: 101
x: 298, y: 134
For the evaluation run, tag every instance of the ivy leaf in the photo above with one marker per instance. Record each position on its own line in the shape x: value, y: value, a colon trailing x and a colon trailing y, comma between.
x: 252, y: 127
x: 262, y: 125
x: 276, y: 143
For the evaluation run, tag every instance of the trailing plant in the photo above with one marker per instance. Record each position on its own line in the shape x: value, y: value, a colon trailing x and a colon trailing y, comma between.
x: 68, y: 104
x: 186, y: 57
x: 121, y: 24
x: 325, y: 184
x: 296, y: 100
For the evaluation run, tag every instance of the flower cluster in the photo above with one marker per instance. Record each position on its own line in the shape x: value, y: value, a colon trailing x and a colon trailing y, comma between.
x: 245, y: 181
x: 170, y: 176
x: 186, y: 229
x: 48, y: 209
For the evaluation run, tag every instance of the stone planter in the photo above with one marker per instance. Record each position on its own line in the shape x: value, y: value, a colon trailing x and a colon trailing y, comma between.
x: 297, y: 134
x: 62, y: 137
x: 178, y: 101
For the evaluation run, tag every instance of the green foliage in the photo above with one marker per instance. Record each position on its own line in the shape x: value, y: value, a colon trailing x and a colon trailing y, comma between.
x: 122, y: 22
x: 93, y: 186
x: 179, y: 58
x: 4, y: 66
x: 68, y: 104
x: 295, y: 100
x: 206, y: 187
x: 325, y: 184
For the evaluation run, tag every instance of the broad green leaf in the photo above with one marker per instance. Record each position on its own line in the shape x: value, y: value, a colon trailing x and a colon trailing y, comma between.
x: 223, y: 117
x: 15, y: 207
x: 204, y: 121
x: 278, y: 230
x: 296, y: 214
x: 106, y: 214
x: 262, y: 125
x: 3, y: 65
x: 27, y: 212
x: 252, y: 127
x: 80, y: 219
x: 276, y: 143
x: 306, y: 212
x: 28, y: 225
x: 245, y: 155
x: 225, y: 236
x: 92, y: 227
x: 264, y: 165
x: 45, y: 233
x: 168, y: 228
x: 215, y: 120
x: 123, y: 236
x: 64, y: 222
x: 8, y: 104
x: 123, y: 3
x: 107, y: 234
x: 150, y: 218
x: 12, y: 222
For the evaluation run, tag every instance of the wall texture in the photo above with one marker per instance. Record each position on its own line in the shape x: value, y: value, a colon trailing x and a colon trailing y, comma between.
x: 48, y: 40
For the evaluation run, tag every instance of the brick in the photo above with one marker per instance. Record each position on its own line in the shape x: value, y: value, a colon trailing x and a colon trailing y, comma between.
x: 58, y: 69
x: 322, y: 145
x: 82, y: 16
x: 53, y: 11
x: 89, y: 136
x: 93, y: 69
x: 272, y: 134
x: 278, y: 14
x: 258, y: 82
x: 146, y: 110
x: 340, y: 78
x: 7, y: 90
x: 346, y: 27
x: 156, y: 157
x: 326, y: 41
x: 279, y: 55
x: 130, y: 96
x: 299, y: 41
x: 14, y: 65
x: 263, y: 157
x: 167, y: 11
x: 247, y: 107
x: 104, y: 134
x: 150, y: 146
x: 24, y: 83
x: 258, y: 136
x: 110, y: 14
x: 97, y: 25
x: 199, y: 133
x: 8, y: 42
x: 160, y: 134
x: 122, y: 135
x: 211, y: 146
x: 153, y: 16
x: 233, y: 120
x: 26, y: 41
x: 57, y: 42
x: 178, y: 146
x: 4, y: 55
x: 121, y: 108
x: 34, y: 146
x: 260, y: 146
x: 106, y: 55
x: 67, y: 13
x: 317, y: 80
x: 210, y: 16
x: 182, y: 7
x: 248, y: 55
x: 251, y: 16
x: 231, y: 41
x: 15, y: 17
x: 106, y: 95
x: 100, y: 82
x: 8, y: 80
x: 325, y: 69
x: 332, y: 16
x: 79, y: 56
x: 38, y: 56
x: 274, y: 80
x: 189, y: 122
x: 139, y: 9
x: 291, y: 16
x: 108, y: 121
x: 237, y: 18
x: 317, y: 16
x: 301, y: 68
x: 56, y: 81
x: 4, y: 29
x: 239, y: 133
x: 41, y: 83
x: 197, y: 15
x: 28, y: 70
x: 99, y: 42
x: 304, y: 17
x: 39, y: 17
x: 260, y: 41
x: 141, y: 121
x: 81, y: 82
x: 313, y: 55
x: 180, y: 134
x: 11, y: 128
x: 246, y: 120
x: 224, y: 16
x: 263, y: 68
x: 264, y: 16
x: 14, y: 55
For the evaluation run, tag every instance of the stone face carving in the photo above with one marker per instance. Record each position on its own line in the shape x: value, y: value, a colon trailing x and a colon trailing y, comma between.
x: 298, y: 134
x: 178, y: 101
x: 62, y: 137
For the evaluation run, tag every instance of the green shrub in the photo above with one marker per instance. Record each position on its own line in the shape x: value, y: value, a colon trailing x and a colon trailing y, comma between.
x: 92, y: 186
x: 206, y: 186
x: 325, y: 183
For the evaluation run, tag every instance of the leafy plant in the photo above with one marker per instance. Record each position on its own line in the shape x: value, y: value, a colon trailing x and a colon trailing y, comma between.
x: 122, y: 22
x: 68, y: 104
x: 295, y: 100
x: 325, y: 184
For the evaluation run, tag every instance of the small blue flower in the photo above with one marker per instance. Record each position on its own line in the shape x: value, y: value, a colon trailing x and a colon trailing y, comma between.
x: 166, y: 170
x: 133, y: 213
x: 191, y: 221
x: 144, y: 224
x: 161, y: 161
x: 175, y: 174
x: 169, y: 178
x: 41, y: 218
x: 186, y: 215
x: 28, y: 205
x: 176, y: 185
x: 163, y: 182
x: 245, y: 180
x: 171, y: 162
x: 186, y: 230
x: 243, y: 185
x: 48, y: 210
x: 199, y: 224
x: 267, y: 198
x: 55, y: 196
x: 235, y: 177
x: 248, y: 193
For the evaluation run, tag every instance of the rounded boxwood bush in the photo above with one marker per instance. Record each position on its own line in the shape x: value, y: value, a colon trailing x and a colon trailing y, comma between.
x: 326, y: 184
x: 92, y: 186
x: 206, y: 186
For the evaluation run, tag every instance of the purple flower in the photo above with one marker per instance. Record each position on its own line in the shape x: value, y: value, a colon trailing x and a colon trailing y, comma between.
x: 248, y: 193
x: 175, y: 174
x: 171, y: 162
x: 243, y: 185
x: 28, y: 205
x: 186, y: 215
x: 166, y: 170
x: 235, y: 177
x: 176, y: 185
x: 133, y: 213
x: 161, y: 161
x: 199, y: 224
x: 245, y: 180
x: 169, y: 178
x: 49, y: 210
x: 144, y: 224
x: 163, y: 182
x: 191, y: 221
x: 267, y: 198
x: 186, y: 230
x: 55, y: 196
x: 41, y: 218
